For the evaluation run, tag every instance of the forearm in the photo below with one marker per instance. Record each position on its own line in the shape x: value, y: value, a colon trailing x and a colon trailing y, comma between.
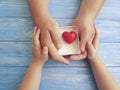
x: 32, y: 78
x: 39, y: 10
x: 90, y: 8
x: 104, y: 79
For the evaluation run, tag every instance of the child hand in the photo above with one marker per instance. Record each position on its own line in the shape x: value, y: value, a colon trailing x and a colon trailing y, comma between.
x: 40, y: 54
x: 92, y: 46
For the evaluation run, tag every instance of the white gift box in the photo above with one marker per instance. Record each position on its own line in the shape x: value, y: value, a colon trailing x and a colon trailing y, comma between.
x: 69, y: 48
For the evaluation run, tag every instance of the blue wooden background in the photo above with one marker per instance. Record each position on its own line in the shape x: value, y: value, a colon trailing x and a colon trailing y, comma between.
x: 16, y: 28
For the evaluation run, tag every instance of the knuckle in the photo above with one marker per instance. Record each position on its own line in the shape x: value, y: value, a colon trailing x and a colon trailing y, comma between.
x: 45, y: 43
x: 54, y: 27
x: 55, y: 24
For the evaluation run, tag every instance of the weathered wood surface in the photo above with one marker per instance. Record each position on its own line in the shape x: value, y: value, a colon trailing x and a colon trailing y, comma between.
x: 19, y: 54
x: 16, y: 28
x: 20, y: 29
x: 54, y: 78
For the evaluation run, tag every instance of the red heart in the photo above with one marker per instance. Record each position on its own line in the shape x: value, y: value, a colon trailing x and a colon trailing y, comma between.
x: 69, y: 37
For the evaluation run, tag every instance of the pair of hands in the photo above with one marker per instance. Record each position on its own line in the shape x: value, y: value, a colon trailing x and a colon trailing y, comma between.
x: 40, y: 52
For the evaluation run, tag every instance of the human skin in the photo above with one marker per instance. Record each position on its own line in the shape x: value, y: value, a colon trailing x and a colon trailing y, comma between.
x: 88, y: 11
x: 32, y: 78
x: 49, y: 27
x: 103, y: 77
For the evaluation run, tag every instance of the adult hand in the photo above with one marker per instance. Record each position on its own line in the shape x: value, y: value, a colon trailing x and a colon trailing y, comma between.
x: 92, y: 47
x: 49, y: 28
x: 86, y: 32
x: 40, y: 54
x: 50, y: 38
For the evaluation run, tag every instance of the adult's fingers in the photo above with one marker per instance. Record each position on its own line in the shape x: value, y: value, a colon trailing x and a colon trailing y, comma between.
x: 45, y: 51
x: 96, y: 38
x: 46, y: 41
x: 91, y: 38
x: 54, y: 33
x: 83, y: 40
x: 90, y: 47
x: 33, y: 34
x: 77, y: 56
x: 55, y: 55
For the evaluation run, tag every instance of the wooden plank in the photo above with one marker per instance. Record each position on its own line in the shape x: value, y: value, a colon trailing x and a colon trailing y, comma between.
x: 15, y: 45
x: 54, y: 78
x: 10, y: 8
x: 20, y: 29
x: 19, y: 54
x: 20, y: 9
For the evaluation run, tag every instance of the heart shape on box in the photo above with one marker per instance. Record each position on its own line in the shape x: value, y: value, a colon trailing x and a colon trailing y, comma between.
x: 69, y: 37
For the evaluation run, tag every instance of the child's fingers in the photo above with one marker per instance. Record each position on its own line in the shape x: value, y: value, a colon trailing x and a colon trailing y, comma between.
x: 90, y: 47
x: 83, y: 42
x: 96, y: 39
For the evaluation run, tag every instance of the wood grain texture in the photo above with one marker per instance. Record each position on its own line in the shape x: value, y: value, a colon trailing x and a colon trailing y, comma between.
x: 19, y: 54
x: 20, y: 29
x: 13, y: 8
x: 53, y: 78
x: 16, y: 28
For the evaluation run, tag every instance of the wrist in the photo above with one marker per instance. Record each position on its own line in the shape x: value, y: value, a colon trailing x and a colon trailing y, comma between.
x: 94, y: 59
x: 85, y: 18
x: 42, y: 20
x: 38, y: 62
x: 39, y: 9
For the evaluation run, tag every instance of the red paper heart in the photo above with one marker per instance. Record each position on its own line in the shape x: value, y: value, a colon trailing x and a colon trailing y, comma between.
x: 69, y: 37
